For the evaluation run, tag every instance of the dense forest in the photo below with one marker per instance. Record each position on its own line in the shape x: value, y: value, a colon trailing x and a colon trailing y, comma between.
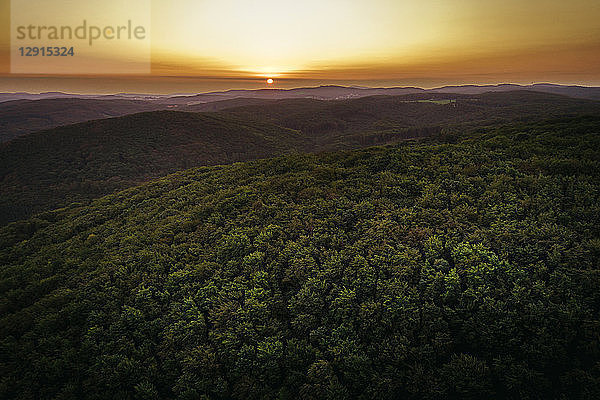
x: 50, y: 169
x: 459, y: 266
x: 19, y: 117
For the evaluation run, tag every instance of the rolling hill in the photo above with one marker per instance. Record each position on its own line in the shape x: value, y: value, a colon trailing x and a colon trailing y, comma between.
x: 38, y: 112
x: 20, y: 117
x: 53, y: 168
x: 581, y: 92
x: 458, y: 267
x: 374, y: 120
x: 334, y: 92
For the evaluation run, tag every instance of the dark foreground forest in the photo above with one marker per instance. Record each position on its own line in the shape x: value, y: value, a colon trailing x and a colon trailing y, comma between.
x: 461, y: 266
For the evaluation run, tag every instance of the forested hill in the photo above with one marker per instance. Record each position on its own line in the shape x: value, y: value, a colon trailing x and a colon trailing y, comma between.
x: 76, y: 163
x: 464, y: 266
x: 20, y: 117
x: 50, y: 169
x: 364, y: 114
x: 369, y: 120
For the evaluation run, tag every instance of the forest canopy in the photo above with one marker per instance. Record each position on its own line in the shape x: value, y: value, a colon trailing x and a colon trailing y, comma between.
x: 460, y: 266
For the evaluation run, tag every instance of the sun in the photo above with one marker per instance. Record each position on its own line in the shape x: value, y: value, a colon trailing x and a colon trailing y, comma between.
x: 270, y: 81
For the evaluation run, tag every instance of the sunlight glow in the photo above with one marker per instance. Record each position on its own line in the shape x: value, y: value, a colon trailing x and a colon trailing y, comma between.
x: 366, y: 40
x: 269, y: 38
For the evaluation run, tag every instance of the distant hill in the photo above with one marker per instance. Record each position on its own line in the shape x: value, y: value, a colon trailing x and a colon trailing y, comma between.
x: 582, y: 92
x: 60, y: 95
x: 49, y: 169
x: 333, y: 92
x: 325, y: 92
x: 52, y: 168
x: 47, y: 110
x: 373, y: 120
x: 221, y: 105
x: 19, y: 117
x: 37, y: 96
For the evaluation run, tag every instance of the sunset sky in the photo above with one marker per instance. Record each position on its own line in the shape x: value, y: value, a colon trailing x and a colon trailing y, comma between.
x: 201, y: 45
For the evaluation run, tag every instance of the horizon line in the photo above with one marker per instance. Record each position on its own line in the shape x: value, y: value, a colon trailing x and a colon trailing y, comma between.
x: 355, y: 87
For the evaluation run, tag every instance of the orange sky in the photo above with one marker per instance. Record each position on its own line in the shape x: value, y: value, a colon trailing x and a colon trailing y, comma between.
x: 199, y: 45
